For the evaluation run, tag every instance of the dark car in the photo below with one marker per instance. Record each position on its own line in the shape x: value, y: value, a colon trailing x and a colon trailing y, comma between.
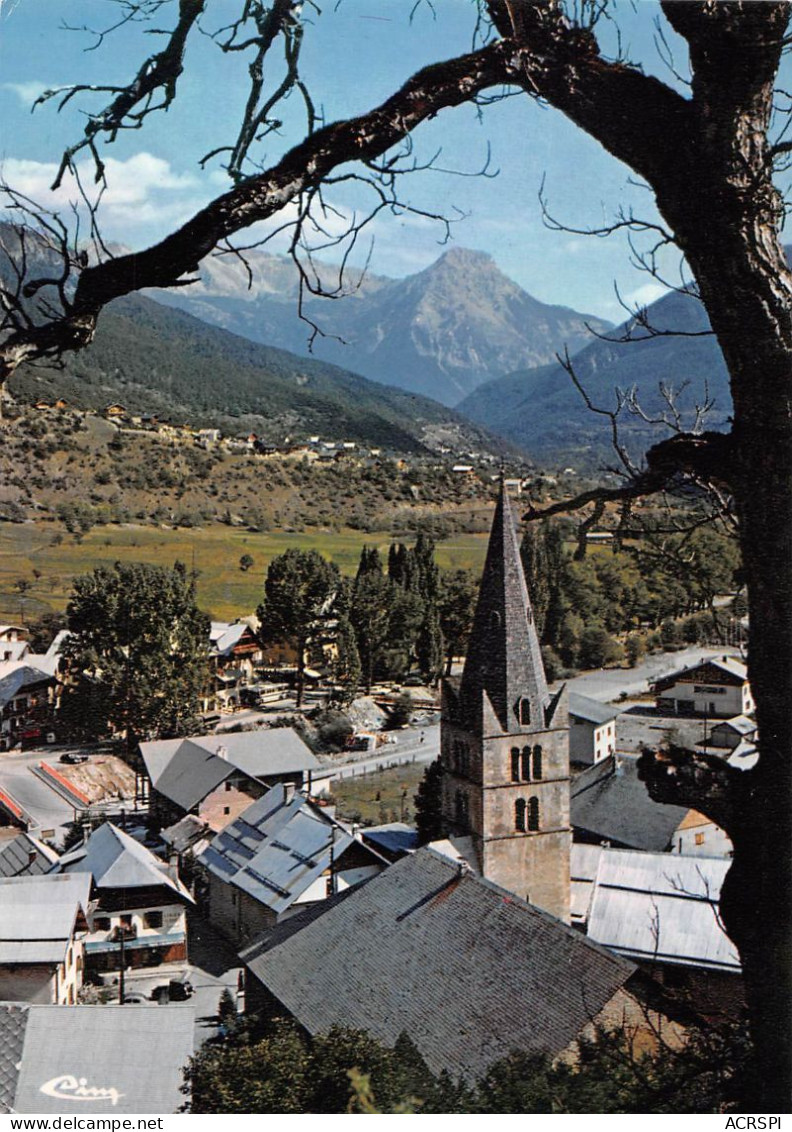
x: 176, y: 990
x: 73, y: 758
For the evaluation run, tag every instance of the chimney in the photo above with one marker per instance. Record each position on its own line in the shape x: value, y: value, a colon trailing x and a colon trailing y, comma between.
x: 32, y: 854
x: 288, y: 791
x: 222, y: 752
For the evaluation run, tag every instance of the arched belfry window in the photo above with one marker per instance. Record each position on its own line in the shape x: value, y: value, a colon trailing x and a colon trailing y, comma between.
x: 536, y: 763
x: 525, y: 764
x: 515, y: 764
x: 524, y: 711
x: 495, y: 620
x: 533, y: 814
x: 519, y: 815
x: 459, y: 808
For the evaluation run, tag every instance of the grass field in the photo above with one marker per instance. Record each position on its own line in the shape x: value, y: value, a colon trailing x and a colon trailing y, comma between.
x: 223, y: 589
x: 385, y: 795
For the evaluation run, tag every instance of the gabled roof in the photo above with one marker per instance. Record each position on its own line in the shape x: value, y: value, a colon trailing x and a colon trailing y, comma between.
x: 115, y: 860
x: 190, y: 774
x: 504, y: 660
x: 392, y: 838
x: 277, y: 848
x: 591, y: 710
x: 16, y: 675
x: 24, y: 855
x: 223, y: 636
x: 729, y: 665
x: 186, y: 770
x: 131, y: 1056
x: 662, y: 907
x: 469, y: 971
x: 37, y: 916
x: 610, y: 802
x: 740, y: 724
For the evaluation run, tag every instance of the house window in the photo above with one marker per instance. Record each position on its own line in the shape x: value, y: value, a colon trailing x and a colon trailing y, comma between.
x: 101, y: 924
x: 226, y: 810
x: 515, y: 764
x: 153, y: 919
x: 699, y: 838
x: 519, y: 815
x: 126, y: 920
x: 536, y: 762
x: 533, y: 815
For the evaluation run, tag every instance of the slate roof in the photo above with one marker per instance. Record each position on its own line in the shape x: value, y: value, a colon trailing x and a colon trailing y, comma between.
x: 133, y: 1054
x: 116, y: 860
x: 188, y: 833
x: 186, y: 770
x: 504, y: 659
x: 13, y: 1020
x: 469, y: 971
x: 37, y: 916
x: 25, y: 856
x: 662, y: 907
x: 591, y: 710
x: 610, y: 802
x: 394, y: 838
x: 223, y: 636
x: 15, y: 675
x: 276, y: 848
x: 190, y: 774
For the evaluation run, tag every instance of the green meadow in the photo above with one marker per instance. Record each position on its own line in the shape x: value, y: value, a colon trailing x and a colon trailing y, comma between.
x: 38, y: 561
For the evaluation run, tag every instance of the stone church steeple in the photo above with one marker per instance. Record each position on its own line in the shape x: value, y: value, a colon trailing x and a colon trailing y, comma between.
x: 504, y: 739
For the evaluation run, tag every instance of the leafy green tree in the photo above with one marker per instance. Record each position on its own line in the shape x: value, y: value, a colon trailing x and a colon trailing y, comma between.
x: 299, y: 591
x: 246, y: 562
x: 458, y: 590
x: 370, y: 616
x: 346, y: 664
x: 428, y: 804
x: 137, y: 652
x: 598, y: 648
x: 634, y: 649
x: 429, y: 648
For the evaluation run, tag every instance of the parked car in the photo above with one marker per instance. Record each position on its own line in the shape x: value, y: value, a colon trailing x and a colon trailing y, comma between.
x: 71, y: 759
x: 177, y: 990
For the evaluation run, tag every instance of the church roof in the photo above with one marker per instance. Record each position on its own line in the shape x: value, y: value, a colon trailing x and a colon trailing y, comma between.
x: 469, y: 971
x: 504, y: 659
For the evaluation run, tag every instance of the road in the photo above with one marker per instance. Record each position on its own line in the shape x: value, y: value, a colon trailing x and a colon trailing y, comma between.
x: 416, y: 744
x: 48, y: 810
x: 608, y: 684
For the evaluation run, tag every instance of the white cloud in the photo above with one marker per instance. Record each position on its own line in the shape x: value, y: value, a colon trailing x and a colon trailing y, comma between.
x: 28, y: 92
x: 646, y: 294
x: 143, y: 191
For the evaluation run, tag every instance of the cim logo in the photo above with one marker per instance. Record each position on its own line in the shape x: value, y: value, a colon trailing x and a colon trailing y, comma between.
x: 70, y: 1088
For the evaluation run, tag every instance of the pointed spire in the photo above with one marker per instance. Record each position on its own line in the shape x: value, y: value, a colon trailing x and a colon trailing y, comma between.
x: 504, y: 659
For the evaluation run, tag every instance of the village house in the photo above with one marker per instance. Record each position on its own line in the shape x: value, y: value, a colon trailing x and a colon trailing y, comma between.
x: 99, y: 1060
x: 283, y: 853
x: 732, y: 733
x: 13, y: 642
x: 216, y: 777
x: 592, y: 730
x: 22, y: 855
x: 28, y: 698
x: 609, y: 803
x: 41, y: 950
x: 234, y: 652
x: 661, y: 911
x: 138, y: 902
x: 713, y: 687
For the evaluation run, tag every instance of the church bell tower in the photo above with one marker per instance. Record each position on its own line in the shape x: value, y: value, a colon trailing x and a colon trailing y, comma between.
x: 505, y: 740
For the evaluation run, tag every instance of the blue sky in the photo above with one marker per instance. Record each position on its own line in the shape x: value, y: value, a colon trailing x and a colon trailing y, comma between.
x: 354, y: 55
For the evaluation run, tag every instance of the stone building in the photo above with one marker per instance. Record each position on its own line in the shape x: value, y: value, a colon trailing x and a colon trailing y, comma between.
x: 505, y: 741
